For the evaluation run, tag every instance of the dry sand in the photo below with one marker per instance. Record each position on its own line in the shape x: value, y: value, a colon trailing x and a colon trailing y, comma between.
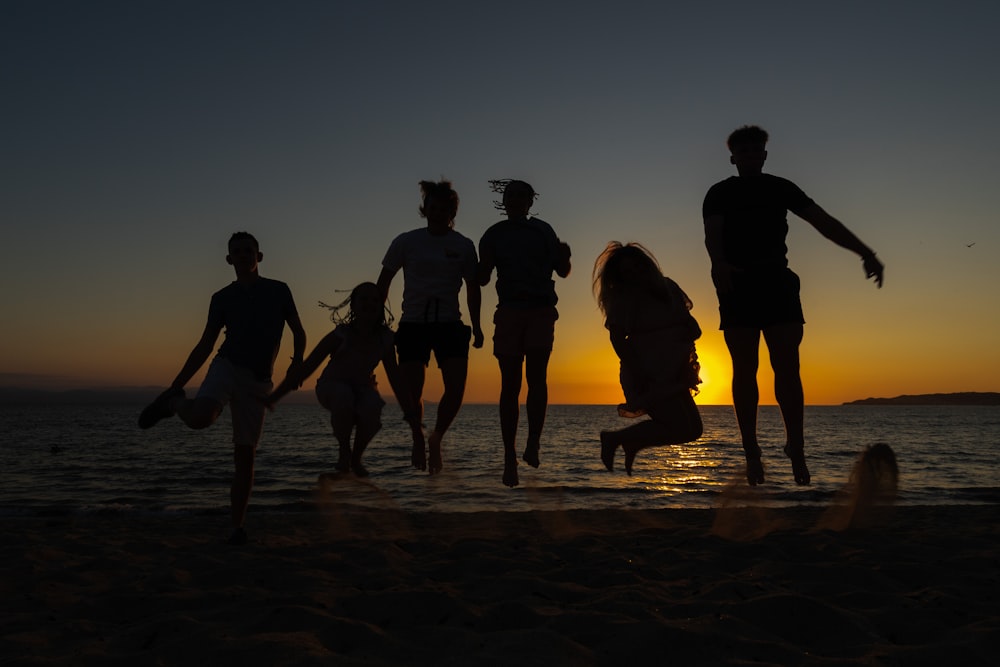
x: 742, y: 586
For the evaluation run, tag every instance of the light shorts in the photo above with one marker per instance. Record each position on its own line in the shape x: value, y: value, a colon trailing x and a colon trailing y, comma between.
x: 244, y: 393
x: 520, y: 330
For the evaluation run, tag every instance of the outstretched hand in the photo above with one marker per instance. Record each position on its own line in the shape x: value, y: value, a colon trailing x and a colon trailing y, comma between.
x: 477, y: 337
x: 873, y: 268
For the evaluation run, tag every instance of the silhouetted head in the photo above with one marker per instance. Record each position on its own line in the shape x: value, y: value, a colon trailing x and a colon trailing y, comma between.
x: 627, y: 266
x: 517, y: 196
x: 364, y: 305
x: 244, y: 253
x: 440, y: 203
x: 748, y: 134
x: 748, y: 149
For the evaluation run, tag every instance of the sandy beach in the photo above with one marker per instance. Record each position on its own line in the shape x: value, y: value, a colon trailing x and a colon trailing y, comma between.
x: 742, y: 586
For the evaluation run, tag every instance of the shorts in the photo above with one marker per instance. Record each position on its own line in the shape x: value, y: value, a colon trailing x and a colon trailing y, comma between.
x: 243, y: 392
x: 520, y: 330
x: 759, y: 300
x: 448, y: 340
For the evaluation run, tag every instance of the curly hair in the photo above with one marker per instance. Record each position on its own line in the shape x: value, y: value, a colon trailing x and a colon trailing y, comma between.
x: 747, y: 135
x: 500, y: 186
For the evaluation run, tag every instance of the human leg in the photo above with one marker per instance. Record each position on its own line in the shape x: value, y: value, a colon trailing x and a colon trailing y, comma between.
x: 510, y: 392
x: 368, y: 411
x: 674, y: 420
x: 783, y: 342
x: 413, y: 374
x: 163, y: 406
x: 338, y: 398
x: 454, y: 371
x: 744, y: 345
x: 247, y: 412
x: 199, y: 412
x: 242, y: 486
x: 536, y: 373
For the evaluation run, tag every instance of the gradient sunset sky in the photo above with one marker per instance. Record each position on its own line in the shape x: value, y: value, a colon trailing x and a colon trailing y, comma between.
x: 138, y: 135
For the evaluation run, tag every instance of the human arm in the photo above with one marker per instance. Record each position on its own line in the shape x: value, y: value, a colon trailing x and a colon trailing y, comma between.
x: 833, y: 229
x: 199, y: 354
x: 722, y: 270
x: 487, y: 262
x: 298, y: 341
x: 563, y: 264
x: 474, y: 300
x: 298, y: 373
x: 384, y: 281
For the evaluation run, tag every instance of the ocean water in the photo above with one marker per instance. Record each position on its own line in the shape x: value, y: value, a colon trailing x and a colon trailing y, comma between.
x: 79, y: 459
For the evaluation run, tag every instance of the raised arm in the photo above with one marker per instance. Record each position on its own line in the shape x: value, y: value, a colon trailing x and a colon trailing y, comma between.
x: 833, y: 229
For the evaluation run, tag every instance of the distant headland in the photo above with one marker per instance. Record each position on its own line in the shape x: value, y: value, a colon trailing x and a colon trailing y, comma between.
x: 959, y: 398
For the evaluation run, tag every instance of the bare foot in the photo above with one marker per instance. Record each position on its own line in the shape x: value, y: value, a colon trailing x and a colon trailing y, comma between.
x: 434, y: 464
x: 628, y: 412
x: 608, y: 450
x: 510, y: 471
x: 360, y: 470
x: 344, y: 460
x: 630, y: 452
x: 755, y: 472
x: 530, y: 455
x: 419, y: 456
x: 799, y: 469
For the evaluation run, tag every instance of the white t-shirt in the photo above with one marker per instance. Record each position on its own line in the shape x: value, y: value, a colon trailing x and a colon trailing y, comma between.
x: 433, y: 270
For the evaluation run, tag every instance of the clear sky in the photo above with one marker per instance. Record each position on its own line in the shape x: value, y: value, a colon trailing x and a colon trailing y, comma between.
x: 137, y: 135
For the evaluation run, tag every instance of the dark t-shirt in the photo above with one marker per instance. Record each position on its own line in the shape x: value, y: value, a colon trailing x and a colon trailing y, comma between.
x: 254, y: 317
x: 754, y: 213
x: 525, y: 253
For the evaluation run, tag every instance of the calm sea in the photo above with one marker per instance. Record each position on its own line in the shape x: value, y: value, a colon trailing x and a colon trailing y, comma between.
x: 78, y: 459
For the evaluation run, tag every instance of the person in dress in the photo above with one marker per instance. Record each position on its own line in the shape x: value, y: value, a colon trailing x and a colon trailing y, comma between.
x: 360, y: 342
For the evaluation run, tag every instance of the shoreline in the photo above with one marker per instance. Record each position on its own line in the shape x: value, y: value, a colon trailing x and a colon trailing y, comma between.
x: 914, y: 585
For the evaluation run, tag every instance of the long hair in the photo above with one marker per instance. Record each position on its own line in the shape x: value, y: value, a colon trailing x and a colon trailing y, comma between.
x: 612, y: 281
x: 610, y: 278
x: 343, y: 312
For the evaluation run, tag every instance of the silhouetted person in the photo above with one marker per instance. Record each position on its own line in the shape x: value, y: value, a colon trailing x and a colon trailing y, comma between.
x: 745, y: 229
x: 653, y: 333
x: 435, y: 260
x: 361, y: 341
x: 524, y: 251
x: 253, y: 311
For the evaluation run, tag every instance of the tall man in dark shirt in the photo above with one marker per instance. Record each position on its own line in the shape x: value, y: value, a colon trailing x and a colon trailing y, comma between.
x: 745, y: 229
x: 253, y: 311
